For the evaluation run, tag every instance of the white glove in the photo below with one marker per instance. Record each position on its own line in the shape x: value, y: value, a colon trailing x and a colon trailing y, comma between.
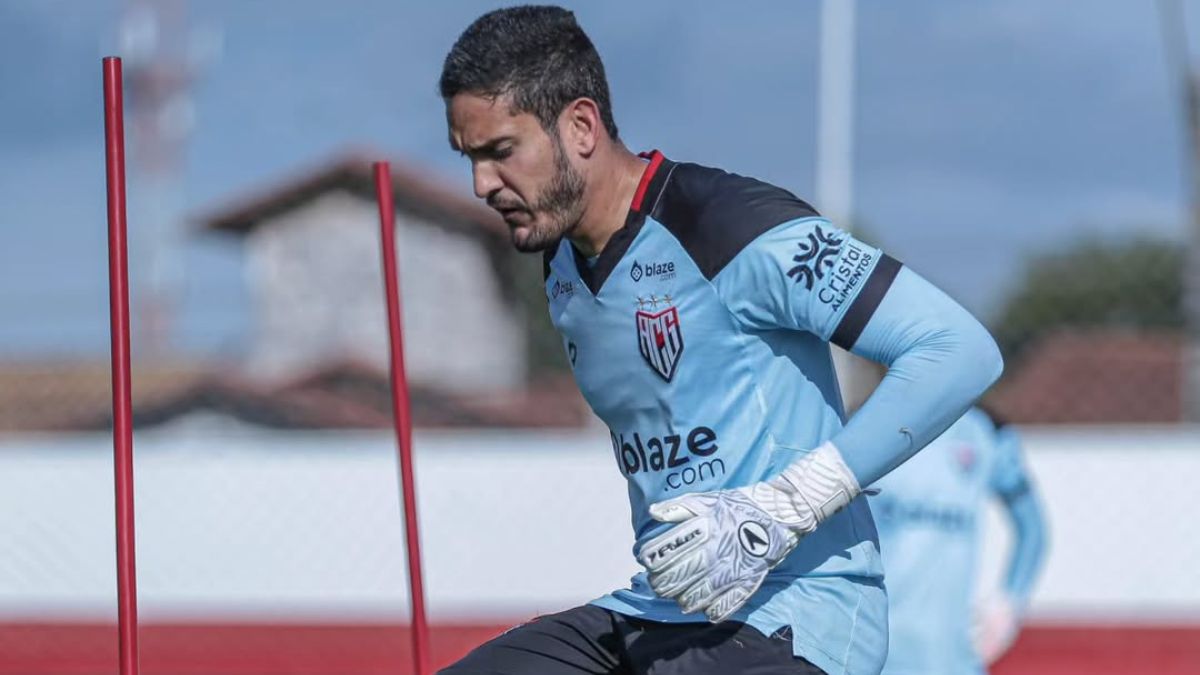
x: 728, y: 540
x: 997, y: 622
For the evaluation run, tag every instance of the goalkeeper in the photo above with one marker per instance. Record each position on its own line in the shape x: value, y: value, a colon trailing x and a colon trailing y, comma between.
x: 696, y: 308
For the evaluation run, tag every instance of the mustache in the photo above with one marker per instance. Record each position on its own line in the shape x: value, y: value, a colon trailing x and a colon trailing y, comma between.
x: 505, y: 205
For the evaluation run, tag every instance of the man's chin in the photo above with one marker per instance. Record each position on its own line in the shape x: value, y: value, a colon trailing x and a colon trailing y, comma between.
x: 525, y: 240
x: 531, y: 246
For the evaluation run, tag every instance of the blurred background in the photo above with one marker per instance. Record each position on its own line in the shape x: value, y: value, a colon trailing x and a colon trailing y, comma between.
x: 1034, y: 159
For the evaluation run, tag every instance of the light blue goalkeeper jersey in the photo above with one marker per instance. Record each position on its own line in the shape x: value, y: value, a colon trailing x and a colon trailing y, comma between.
x: 700, y: 337
x: 930, y: 511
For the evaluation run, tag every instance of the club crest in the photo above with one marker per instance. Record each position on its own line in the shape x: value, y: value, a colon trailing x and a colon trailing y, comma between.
x: 660, y: 340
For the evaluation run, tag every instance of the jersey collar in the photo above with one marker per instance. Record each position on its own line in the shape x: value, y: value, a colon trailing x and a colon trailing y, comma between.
x: 654, y: 177
x: 650, y: 187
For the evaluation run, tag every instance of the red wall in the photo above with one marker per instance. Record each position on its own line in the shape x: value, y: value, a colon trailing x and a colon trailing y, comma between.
x: 369, y: 649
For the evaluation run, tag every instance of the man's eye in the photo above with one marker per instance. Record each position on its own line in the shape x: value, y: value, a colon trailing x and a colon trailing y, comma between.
x: 502, y: 153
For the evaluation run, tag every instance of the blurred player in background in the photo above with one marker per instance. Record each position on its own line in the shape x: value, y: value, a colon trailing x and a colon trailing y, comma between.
x: 929, y: 513
x: 696, y: 309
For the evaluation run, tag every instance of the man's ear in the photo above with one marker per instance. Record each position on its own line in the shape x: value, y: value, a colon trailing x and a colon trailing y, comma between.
x: 580, y: 126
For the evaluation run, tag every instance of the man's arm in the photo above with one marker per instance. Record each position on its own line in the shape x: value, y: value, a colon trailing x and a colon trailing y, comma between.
x: 1013, y: 485
x: 1029, y: 547
x: 999, y: 618
x: 807, y: 275
x: 940, y: 360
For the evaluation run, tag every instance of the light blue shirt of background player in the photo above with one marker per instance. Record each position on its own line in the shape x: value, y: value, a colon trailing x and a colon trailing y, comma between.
x: 929, y: 513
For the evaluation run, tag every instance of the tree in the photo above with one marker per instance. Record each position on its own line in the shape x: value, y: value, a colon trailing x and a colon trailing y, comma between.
x: 1133, y: 284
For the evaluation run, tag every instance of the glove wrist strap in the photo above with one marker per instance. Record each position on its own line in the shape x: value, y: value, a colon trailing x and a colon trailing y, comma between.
x: 809, y: 490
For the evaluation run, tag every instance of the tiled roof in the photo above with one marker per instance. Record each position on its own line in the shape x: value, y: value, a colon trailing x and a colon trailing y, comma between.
x: 1095, y: 377
x: 78, y: 396
x: 414, y: 190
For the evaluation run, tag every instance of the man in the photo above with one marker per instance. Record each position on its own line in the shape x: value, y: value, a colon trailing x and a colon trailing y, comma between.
x: 696, y: 308
x: 929, y: 513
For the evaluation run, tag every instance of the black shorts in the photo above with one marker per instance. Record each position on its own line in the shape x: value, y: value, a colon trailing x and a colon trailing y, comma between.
x: 589, y: 640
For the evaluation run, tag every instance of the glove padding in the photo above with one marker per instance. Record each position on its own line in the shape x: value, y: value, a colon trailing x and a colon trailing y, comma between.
x: 727, y: 541
x: 720, y: 554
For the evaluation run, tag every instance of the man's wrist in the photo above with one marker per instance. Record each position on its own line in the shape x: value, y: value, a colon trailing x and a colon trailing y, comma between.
x: 810, y: 490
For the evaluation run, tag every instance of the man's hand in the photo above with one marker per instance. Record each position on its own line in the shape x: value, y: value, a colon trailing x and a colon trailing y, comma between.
x: 727, y: 541
x: 719, y: 554
x: 997, y: 622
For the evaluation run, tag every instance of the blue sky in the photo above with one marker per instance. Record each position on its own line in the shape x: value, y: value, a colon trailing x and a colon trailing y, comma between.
x: 985, y: 131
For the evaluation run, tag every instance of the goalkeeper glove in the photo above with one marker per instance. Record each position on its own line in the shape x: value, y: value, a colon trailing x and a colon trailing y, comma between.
x: 726, y: 541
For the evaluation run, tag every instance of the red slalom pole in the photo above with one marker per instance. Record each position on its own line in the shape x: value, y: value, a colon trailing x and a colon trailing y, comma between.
x: 401, y: 415
x: 118, y: 301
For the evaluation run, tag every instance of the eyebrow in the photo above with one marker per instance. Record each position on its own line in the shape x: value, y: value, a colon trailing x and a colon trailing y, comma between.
x: 482, y: 149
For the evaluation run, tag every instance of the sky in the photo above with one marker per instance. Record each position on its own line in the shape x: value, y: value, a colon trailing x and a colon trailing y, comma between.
x: 985, y: 132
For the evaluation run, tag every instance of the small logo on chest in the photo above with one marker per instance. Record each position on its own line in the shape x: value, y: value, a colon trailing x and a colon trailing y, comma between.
x: 660, y: 340
x: 566, y: 288
x: 651, y: 271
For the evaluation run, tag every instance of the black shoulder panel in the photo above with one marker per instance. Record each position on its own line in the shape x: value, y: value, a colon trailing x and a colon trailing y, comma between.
x: 715, y: 214
x: 864, y: 306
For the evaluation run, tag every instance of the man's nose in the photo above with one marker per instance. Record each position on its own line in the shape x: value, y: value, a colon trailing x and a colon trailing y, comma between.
x: 486, y: 179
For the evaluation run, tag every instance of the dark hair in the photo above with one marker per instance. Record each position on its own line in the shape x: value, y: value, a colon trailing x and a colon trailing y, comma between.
x: 538, y: 54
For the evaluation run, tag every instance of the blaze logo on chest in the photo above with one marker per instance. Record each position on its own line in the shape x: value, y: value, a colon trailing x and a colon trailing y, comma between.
x: 660, y: 340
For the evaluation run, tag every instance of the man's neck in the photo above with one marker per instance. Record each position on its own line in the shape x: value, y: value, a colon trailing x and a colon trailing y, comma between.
x: 610, y: 194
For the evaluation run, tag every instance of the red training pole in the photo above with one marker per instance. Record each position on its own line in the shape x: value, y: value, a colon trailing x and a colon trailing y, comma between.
x: 118, y: 302
x: 402, y: 417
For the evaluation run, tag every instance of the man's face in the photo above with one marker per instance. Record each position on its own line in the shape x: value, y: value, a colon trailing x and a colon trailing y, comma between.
x: 521, y: 170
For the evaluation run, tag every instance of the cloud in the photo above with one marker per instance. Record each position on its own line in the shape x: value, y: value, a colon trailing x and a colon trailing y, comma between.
x: 981, y: 126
